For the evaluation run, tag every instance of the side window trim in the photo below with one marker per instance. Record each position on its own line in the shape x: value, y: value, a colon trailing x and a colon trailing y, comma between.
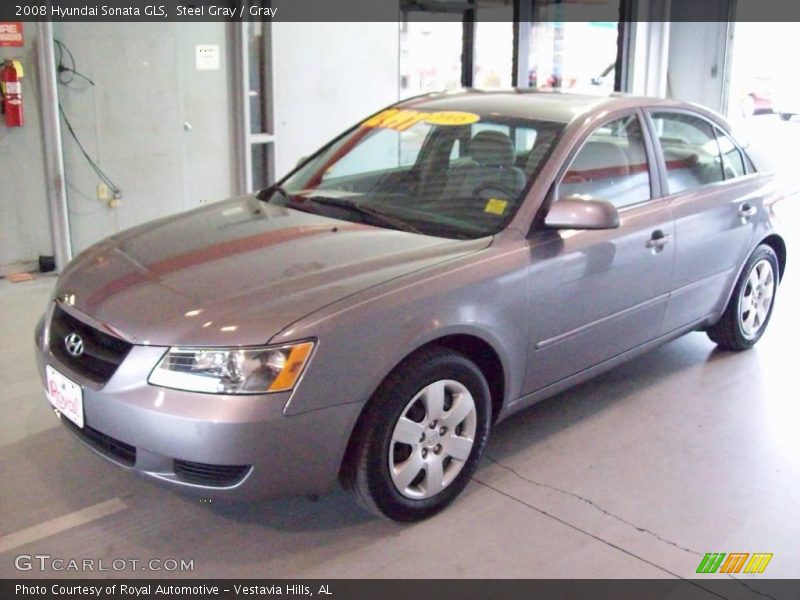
x: 651, y: 149
x: 658, y: 154
x: 655, y: 184
x: 746, y: 166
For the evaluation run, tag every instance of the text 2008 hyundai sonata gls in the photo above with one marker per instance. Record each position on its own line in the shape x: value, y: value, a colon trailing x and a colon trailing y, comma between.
x: 446, y: 262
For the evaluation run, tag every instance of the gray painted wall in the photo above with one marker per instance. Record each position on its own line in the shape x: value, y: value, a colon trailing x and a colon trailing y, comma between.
x: 24, y: 229
x: 132, y: 123
x: 698, y: 51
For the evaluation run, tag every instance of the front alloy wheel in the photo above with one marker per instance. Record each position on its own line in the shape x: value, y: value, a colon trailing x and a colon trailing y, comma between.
x: 420, y: 437
x: 432, y: 439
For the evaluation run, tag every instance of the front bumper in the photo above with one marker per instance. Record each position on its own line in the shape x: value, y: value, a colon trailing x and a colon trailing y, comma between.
x: 278, y: 455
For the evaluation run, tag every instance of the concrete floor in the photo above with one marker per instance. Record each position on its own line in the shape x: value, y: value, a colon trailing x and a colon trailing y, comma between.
x: 638, y: 473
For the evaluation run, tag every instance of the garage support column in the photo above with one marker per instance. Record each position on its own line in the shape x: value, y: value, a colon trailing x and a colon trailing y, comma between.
x: 244, y: 158
x: 523, y: 13
x: 650, y: 47
x: 53, y: 151
x: 650, y: 58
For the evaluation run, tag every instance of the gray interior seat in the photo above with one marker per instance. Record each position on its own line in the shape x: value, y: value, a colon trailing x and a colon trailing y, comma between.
x: 490, y: 168
x: 597, y: 168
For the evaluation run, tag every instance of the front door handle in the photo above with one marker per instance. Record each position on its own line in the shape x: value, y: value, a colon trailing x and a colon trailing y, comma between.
x: 747, y: 212
x: 658, y: 240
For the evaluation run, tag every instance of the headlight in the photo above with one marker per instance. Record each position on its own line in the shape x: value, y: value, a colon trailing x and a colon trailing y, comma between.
x: 232, y: 370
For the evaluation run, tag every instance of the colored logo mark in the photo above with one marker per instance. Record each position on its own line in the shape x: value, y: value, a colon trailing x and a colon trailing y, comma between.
x: 714, y: 562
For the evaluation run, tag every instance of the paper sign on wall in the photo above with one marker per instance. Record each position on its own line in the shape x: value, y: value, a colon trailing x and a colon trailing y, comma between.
x: 207, y: 57
x: 10, y: 33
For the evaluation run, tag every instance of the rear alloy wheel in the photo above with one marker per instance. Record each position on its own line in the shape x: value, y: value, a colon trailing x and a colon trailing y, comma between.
x: 750, y: 307
x: 420, y: 438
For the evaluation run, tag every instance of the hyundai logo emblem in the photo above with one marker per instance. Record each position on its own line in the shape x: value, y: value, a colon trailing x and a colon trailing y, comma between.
x: 74, y: 344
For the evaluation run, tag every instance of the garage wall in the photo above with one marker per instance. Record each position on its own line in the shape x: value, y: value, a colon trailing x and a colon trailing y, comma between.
x: 698, y: 41
x: 23, y: 196
x: 697, y: 62
x: 327, y: 77
x: 157, y: 126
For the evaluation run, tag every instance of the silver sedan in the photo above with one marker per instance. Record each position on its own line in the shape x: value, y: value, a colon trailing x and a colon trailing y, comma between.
x: 446, y: 262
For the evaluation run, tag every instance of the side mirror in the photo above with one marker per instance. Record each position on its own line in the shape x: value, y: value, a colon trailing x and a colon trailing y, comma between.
x: 301, y: 161
x: 577, y: 213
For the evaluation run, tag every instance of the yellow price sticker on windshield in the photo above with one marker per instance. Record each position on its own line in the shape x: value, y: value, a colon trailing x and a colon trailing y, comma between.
x: 394, y: 118
x: 402, y: 119
x: 452, y: 117
x: 496, y: 206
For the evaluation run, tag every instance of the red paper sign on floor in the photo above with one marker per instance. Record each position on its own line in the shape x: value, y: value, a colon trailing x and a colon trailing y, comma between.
x: 10, y: 33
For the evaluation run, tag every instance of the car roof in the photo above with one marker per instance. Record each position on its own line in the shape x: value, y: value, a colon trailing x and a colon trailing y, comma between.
x: 545, y: 105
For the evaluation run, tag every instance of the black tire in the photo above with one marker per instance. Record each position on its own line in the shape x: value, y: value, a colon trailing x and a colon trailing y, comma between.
x: 786, y: 116
x: 728, y: 332
x: 366, y: 468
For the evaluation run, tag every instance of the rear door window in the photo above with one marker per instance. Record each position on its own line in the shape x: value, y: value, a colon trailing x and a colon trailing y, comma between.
x: 690, y: 149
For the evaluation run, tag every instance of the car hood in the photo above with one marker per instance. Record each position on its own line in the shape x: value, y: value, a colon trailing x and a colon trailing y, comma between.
x: 237, y: 272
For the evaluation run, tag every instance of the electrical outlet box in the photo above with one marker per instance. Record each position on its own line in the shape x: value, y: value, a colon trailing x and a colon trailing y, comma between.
x: 103, y: 192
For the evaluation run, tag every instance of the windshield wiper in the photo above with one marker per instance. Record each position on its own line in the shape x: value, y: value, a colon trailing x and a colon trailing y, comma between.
x: 361, y: 209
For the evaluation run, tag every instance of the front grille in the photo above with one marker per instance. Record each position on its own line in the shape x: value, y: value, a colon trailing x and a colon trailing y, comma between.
x: 102, y: 353
x: 105, y: 444
x: 210, y: 475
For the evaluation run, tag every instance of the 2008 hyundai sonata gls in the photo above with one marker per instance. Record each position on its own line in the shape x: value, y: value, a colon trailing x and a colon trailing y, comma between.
x: 443, y: 264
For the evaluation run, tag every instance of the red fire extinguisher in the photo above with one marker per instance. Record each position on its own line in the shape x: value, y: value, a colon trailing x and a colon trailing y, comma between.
x: 11, y: 87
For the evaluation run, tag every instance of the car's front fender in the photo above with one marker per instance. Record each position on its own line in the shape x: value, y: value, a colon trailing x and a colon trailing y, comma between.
x: 362, y: 338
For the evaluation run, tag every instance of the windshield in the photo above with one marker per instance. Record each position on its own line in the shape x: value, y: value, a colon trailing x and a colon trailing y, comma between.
x: 444, y: 173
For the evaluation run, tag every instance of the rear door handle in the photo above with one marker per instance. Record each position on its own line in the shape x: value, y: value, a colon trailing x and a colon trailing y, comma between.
x: 747, y: 212
x: 658, y: 240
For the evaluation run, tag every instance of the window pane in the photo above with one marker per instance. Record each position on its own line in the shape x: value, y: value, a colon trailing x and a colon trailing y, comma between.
x: 399, y: 170
x: 494, y: 47
x: 490, y: 127
x: 382, y: 150
x: 430, y: 56
x: 569, y: 51
x: 732, y: 162
x: 523, y: 138
x: 690, y: 149
x: 611, y: 165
